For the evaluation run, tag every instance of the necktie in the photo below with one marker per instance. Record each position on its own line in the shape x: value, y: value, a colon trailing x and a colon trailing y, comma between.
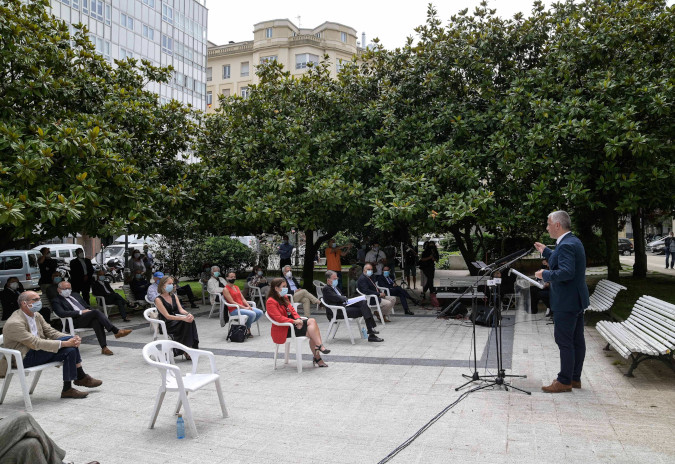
x: 75, y: 303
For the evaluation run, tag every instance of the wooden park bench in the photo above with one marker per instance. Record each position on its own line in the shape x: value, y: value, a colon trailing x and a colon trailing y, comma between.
x: 603, y: 296
x: 648, y: 333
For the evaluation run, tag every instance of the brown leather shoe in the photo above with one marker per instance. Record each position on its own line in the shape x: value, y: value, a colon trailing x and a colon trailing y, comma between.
x: 106, y: 351
x: 72, y: 393
x: 557, y: 387
x: 576, y: 383
x: 122, y: 333
x: 386, y: 319
x: 88, y: 381
x: 377, y: 315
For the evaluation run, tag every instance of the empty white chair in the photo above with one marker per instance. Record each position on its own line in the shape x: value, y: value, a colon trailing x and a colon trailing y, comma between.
x: 160, y: 354
x: 374, y: 304
x: 292, y: 340
x: 158, y: 326
x: 216, y: 301
x: 335, y: 322
x: 255, y: 292
x: 22, y: 373
x: 318, y: 285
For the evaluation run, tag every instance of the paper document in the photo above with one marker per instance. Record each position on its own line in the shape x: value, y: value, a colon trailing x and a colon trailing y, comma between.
x: 532, y: 281
x: 356, y: 299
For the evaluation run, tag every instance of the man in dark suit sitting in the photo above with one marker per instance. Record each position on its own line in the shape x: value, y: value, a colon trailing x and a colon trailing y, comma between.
x: 366, y: 286
x: 68, y: 304
x: 569, y: 299
x: 385, y: 281
x: 101, y: 287
x: 332, y: 296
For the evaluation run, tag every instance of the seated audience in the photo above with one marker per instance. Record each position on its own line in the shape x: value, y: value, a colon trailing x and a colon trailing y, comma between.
x: 52, y: 290
x: 386, y: 281
x: 139, y: 286
x: 216, y: 284
x: 101, y: 287
x: 69, y: 304
x: 185, y: 290
x: 179, y: 323
x: 233, y: 296
x: 27, y: 331
x: 367, y: 286
x: 280, y: 309
x: 9, y: 297
x: 257, y: 279
x: 300, y: 295
x: 332, y: 296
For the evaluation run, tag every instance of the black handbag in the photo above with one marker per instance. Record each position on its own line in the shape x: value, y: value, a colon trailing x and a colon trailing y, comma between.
x: 237, y: 333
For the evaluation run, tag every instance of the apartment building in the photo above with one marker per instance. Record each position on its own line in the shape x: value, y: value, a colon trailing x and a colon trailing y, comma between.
x: 165, y: 32
x: 231, y: 67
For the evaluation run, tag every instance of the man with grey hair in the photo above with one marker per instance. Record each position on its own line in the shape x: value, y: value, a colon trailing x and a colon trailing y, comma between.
x: 568, y: 297
x: 28, y: 332
x: 215, y: 285
x: 300, y: 295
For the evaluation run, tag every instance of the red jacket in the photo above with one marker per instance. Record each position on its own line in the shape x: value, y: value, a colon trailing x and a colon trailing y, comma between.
x: 278, y: 314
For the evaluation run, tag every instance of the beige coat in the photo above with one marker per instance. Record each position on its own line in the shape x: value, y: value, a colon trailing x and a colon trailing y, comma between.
x: 17, y: 336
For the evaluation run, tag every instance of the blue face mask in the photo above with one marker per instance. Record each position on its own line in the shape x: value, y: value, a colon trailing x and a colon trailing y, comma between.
x: 260, y: 273
x: 283, y: 291
x: 35, y: 307
x: 334, y: 283
x: 369, y: 273
x: 386, y: 273
x: 216, y: 274
x: 57, y: 280
x: 168, y: 288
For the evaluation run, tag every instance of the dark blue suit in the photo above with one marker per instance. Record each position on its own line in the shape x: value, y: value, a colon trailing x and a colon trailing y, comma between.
x: 569, y: 299
x: 394, y: 290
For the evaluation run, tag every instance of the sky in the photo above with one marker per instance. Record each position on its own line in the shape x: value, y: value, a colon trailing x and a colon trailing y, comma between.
x: 392, y: 21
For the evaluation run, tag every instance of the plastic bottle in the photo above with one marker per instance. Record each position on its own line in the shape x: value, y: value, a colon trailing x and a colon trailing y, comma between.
x: 180, y: 427
x: 364, y: 333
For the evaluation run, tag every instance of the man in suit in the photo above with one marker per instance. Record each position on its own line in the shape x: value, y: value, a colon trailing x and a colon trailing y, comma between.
x: 27, y: 331
x: 300, y: 295
x: 332, y: 296
x: 367, y: 286
x: 68, y: 304
x: 569, y: 299
x: 81, y: 273
x: 9, y: 297
x: 385, y: 281
x: 101, y: 287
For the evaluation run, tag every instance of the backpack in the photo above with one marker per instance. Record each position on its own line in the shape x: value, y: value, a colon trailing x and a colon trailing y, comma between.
x: 237, y: 333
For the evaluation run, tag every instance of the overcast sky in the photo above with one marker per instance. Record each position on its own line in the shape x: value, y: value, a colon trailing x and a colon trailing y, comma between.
x: 389, y: 20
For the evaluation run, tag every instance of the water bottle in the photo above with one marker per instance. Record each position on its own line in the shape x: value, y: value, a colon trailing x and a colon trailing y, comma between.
x: 364, y: 333
x: 180, y: 427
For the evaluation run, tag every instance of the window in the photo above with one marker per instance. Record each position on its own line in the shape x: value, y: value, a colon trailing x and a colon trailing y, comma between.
x: 265, y: 59
x: 209, y: 74
x: 127, y: 21
x: 318, y: 34
x: 150, y: 3
x: 244, y: 69
x: 226, y: 71
x: 148, y: 32
x: 167, y: 14
x: 76, y: 4
x: 209, y: 98
x: 268, y: 33
x: 11, y: 262
x: 303, y: 60
x: 343, y: 36
x: 64, y: 253
x: 167, y: 44
x: 244, y: 92
x: 124, y: 54
x: 97, y: 9
x: 66, y: 2
x: 108, y: 14
x: 85, y: 6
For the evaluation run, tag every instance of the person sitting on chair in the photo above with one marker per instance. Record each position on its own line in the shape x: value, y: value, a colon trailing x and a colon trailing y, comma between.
x: 52, y: 291
x: 366, y: 286
x: 386, y: 281
x: 300, y: 295
x: 280, y: 309
x: 185, y: 290
x: 216, y: 284
x: 139, y: 286
x: 180, y: 324
x: 101, y: 287
x: 9, y: 297
x: 69, y: 304
x: 333, y: 297
x: 233, y: 296
x: 257, y: 279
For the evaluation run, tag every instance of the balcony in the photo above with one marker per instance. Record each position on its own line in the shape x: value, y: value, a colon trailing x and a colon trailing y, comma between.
x: 230, y: 49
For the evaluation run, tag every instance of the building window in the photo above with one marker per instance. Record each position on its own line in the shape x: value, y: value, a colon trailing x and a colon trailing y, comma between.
x: 318, y: 34
x: 244, y: 69
x: 226, y: 71
x: 148, y: 32
x: 150, y: 3
x: 124, y: 54
x: 85, y: 6
x: 244, y: 92
x: 268, y: 33
x: 343, y: 36
x: 66, y: 2
x: 303, y: 60
x: 167, y: 14
x: 76, y: 4
x: 167, y: 44
x: 209, y: 98
x: 209, y: 74
x: 97, y: 9
x: 265, y: 59
x: 339, y: 64
x: 127, y: 21
x: 108, y: 14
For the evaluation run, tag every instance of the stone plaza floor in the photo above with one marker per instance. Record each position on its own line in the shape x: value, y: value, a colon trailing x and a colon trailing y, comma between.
x: 371, y: 399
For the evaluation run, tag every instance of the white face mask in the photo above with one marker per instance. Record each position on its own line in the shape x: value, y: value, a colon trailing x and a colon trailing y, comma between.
x: 289, y: 274
x: 14, y: 285
x: 66, y: 293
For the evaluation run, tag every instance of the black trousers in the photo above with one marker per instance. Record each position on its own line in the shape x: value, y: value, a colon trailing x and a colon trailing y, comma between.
x: 401, y: 294
x: 96, y: 320
x: 83, y: 288
x: 117, y: 299
x: 429, y: 273
x: 186, y: 290
x: 359, y: 309
x: 284, y: 262
x: 569, y: 336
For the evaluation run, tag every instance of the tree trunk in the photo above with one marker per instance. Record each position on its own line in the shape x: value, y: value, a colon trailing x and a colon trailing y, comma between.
x: 640, y: 266
x: 311, y: 248
x: 610, y: 234
x: 466, y: 246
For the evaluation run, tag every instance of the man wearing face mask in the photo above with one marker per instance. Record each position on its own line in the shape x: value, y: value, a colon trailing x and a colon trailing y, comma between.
x: 366, y: 285
x: 27, y: 332
x: 81, y: 274
x: 101, y: 287
x: 300, y: 295
x: 185, y: 290
x: 48, y: 266
x: 285, y: 251
x: 377, y: 258
x: 386, y: 281
x: 52, y: 290
x: 9, y: 297
x: 334, y: 256
x: 69, y: 304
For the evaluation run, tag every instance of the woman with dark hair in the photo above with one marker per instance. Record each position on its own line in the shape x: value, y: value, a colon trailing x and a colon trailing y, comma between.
x: 281, y: 310
x: 179, y: 323
x: 9, y: 297
x: 233, y: 296
x: 428, y: 266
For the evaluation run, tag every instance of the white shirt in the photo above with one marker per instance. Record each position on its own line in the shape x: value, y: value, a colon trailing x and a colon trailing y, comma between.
x: 374, y: 257
x: 31, y: 323
x: 71, y: 301
x: 561, y: 237
x: 291, y: 284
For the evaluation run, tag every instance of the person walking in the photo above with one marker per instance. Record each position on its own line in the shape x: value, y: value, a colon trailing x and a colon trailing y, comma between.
x: 569, y: 299
x: 670, y: 250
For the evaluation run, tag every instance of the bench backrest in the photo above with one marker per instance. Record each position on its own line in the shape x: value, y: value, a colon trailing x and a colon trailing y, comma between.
x: 656, y: 318
x: 461, y: 281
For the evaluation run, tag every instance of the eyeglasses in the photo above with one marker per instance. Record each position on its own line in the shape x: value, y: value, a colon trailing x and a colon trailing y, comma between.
x: 35, y: 299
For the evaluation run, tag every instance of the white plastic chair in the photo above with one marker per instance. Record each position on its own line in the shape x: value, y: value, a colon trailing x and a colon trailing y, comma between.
x: 22, y: 372
x: 216, y: 301
x: 386, y: 291
x: 147, y: 300
x: 238, y: 317
x: 335, y: 322
x: 158, y: 325
x: 297, y: 341
x: 71, y: 326
x: 100, y: 302
x: 374, y: 304
x: 255, y: 292
x: 129, y: 295
x: 318, y: 285
x: 160, y: 354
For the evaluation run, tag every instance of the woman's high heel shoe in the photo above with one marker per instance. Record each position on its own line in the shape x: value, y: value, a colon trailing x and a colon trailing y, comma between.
x: 319, y: 362
x: 324, y: 351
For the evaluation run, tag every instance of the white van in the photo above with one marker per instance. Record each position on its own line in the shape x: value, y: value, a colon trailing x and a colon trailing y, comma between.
x: 22, y: 264
x: 61, y: 251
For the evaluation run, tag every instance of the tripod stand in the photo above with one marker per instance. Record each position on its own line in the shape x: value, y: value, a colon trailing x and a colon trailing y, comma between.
x: 500, y: 378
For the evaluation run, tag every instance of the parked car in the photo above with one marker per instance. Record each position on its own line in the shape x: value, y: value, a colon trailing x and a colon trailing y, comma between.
x: 657, y: 247
x: 62, y: 252
x: 625, y: 246
x: 22, y: 264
